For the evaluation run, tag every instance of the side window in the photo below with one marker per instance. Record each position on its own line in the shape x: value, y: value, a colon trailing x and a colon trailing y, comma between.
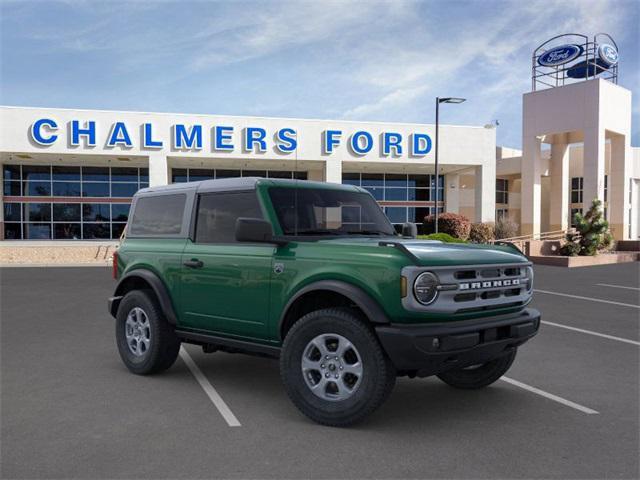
x: 218, y: 212
x: 158, y: 215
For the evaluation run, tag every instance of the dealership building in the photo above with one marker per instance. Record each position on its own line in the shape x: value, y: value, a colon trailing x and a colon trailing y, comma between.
x: 70, y: 174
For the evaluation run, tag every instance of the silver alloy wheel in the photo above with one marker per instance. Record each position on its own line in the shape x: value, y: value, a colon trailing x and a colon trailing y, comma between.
x: 332, y: 367
x: 138, y: 331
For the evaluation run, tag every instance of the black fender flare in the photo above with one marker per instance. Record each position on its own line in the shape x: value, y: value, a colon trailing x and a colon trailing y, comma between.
x: 363, y: 300
x: 158, y: 287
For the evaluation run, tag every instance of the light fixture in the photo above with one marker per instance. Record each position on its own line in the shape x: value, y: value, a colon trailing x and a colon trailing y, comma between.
x: 451, y: 100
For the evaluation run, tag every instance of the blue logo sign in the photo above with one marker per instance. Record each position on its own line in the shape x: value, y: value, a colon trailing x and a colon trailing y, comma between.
x: 608, y: 54
x: 560, y: 55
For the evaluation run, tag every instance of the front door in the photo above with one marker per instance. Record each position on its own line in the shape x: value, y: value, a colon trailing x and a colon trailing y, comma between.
x: 225, y: 284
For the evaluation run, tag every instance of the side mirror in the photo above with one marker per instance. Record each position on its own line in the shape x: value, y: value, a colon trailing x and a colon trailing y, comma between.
x: 409, y: 230
x: 254, y: 230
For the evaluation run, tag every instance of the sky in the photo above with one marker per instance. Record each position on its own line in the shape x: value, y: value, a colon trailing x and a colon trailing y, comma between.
x: 343, y: 60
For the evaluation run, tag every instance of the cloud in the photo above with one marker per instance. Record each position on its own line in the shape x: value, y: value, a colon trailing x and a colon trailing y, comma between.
x: 360, y: 60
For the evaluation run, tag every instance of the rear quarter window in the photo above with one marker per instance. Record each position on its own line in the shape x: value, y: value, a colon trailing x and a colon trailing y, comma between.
x: 158, y: 215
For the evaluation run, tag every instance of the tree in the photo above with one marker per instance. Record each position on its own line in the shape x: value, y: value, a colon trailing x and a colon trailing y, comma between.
x: 592, y: 233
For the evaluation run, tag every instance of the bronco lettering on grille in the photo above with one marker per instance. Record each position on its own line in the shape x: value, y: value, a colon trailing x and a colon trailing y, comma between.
x: 489, y: 284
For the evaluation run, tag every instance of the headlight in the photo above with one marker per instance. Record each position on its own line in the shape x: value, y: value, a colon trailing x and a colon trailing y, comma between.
x: 425, y: 288
x: 529, y: 279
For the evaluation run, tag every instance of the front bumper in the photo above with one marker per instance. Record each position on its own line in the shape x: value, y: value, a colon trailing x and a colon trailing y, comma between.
x: 430, y: 349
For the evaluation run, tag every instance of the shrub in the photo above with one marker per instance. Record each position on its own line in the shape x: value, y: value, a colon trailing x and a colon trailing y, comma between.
x: 443, y: 237
x: 457, y: 226
x: 482, y: 232
x: 592, y: 233
x: 505, y: 228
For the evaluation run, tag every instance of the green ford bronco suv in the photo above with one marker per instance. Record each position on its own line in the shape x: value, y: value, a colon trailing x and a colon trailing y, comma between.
x: 314, y: 273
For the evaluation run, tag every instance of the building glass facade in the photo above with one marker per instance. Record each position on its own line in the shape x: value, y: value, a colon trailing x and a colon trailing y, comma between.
x: 405, y: 197
x: 44, y: 202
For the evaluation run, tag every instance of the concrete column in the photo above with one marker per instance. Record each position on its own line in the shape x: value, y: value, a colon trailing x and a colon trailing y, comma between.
x: 619, y: 186
x: 559, y: 201
x: 485, y: 192
x: 333, y: 171
x: 452, y: 192
x: 158, y: 170
x: 531, y: 188
x: 593, y: 166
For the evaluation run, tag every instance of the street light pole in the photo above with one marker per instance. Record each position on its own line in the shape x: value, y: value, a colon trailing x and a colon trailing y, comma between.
x: 438, y: 102
x: 436, y: 153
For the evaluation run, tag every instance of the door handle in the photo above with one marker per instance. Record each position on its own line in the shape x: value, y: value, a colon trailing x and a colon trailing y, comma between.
x: 193, y: 263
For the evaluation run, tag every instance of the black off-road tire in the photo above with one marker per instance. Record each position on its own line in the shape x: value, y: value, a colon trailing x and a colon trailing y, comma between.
x: 164, y: 345
x: 378, y: 378
x: 472, y: 378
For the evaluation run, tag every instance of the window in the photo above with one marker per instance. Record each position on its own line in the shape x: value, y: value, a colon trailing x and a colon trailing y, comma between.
x: 120, y: 212
x: 70, y: 218
x: 502, y: 190
x: 398, y: 187
x: 218, y: 212
x: 158, y: 215
x: 66, y: 212
x: 95, y: 212
x: 573, y: 212
x: 502, y: 213
x: 319, y: 211
x: 606, y: 187
x: 197, y: 174
x: 396, y: 214
x: 576, y: 190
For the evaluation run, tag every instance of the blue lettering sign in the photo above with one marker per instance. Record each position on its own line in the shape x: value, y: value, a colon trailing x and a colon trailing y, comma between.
x: 286, y: 140
x: 255, y: 136
x: 147, y: 138
x: 331, y: 140
x: 421, y: 144
x: 37, y: 134
x: 357, y: 146
x: 119, y: 136
x: 89, y: 132
x: 222, y: 135
x: 187, y: 139
x: 391, y: 140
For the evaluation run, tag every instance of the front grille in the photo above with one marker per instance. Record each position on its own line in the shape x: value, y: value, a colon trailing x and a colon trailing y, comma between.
x: 476, y: 288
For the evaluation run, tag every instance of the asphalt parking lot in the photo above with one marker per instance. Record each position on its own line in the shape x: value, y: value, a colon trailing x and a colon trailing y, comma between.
x: 70, y: 409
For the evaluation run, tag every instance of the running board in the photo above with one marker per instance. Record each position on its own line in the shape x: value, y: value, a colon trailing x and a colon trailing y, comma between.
x: 228, y: 344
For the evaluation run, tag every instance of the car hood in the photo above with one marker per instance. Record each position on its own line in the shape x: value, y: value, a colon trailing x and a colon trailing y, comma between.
x: 436, y: 253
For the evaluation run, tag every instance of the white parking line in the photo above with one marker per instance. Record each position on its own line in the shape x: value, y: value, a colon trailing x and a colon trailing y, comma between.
x: 211, y: 392
x: 550, y: 396
x: 617, y: 286
x: 610, y: 337
x: 600, y: 300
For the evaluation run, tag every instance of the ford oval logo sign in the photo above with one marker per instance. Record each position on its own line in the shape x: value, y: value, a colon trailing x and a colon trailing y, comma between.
x: 560, y: 55
x: 608, y: 54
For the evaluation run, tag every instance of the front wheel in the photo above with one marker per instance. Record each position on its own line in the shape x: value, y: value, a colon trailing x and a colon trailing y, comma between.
x: 479, y: 376
x: 334, y: 369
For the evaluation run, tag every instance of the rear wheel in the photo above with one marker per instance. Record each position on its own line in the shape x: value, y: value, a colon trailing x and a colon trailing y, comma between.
x: 481, y: 375
x: 333, y: 367
x: 146, y: 342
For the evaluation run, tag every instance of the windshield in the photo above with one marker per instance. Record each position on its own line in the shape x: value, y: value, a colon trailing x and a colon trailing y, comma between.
x: 328, y: 212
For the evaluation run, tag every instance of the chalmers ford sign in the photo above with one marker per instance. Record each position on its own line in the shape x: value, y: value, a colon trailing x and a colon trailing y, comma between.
x: 220, y: 138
